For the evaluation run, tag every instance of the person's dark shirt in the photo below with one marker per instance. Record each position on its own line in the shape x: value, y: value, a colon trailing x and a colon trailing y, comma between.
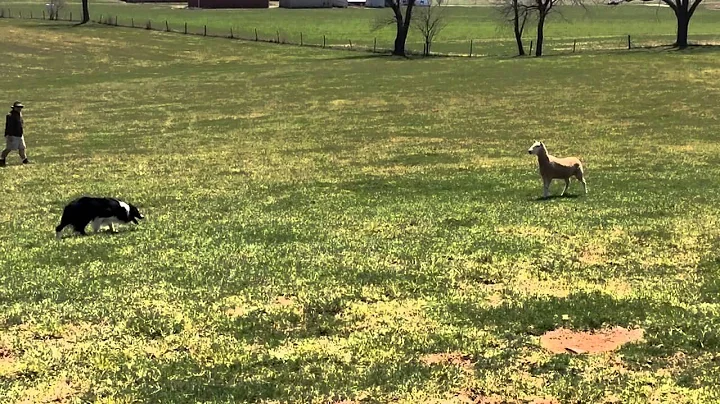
x: 14, y: 124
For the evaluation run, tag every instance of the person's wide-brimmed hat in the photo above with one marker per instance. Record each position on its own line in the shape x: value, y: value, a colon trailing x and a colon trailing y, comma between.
x: 18, y: 104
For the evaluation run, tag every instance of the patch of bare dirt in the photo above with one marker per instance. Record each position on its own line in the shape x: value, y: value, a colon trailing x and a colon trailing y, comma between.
x: 452, y: 358
x: 580, y: 342
x: 5, y: 353
x: 7, y: 361
x: 236, y: 311
x: 284, y: 301
x: 468, y: 397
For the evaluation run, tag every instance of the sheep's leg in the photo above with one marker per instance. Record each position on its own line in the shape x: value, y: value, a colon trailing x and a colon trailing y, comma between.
x: 567, y: 184
x: 579, y: 175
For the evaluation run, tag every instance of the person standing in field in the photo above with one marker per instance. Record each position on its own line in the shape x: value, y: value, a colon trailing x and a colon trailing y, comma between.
x: 14, y: 139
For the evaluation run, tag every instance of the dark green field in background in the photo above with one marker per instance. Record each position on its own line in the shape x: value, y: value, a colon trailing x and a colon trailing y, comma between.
x: 594, y: 28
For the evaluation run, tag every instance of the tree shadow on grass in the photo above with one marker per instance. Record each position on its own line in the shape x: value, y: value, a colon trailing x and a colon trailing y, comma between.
x: 263, y: 378
x: 56, y: 26
x: 694, y: 48
x: 365, y: 56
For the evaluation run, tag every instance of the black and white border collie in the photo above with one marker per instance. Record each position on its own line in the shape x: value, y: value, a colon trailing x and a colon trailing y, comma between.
x: 99, y: 211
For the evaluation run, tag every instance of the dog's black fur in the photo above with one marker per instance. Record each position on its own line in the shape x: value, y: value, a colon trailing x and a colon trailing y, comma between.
x: 100, y: 211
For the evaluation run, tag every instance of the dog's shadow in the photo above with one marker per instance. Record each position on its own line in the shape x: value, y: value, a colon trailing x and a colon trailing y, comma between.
x: 551, y: 197
x: 104, y: 233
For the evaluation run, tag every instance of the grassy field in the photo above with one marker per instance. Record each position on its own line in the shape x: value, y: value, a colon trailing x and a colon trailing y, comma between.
x: 318, y: 223
x: 596, y: 28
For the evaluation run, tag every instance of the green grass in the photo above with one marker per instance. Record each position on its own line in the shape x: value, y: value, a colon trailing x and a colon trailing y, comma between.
x: 318, y: 222
x: 594, y: 28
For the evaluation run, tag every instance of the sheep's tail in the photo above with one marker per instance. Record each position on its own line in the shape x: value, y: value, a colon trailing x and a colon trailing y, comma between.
x: 580, y: 175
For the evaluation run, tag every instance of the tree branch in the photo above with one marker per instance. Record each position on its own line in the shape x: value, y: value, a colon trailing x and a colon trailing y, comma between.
x: 695, y: 4
x: 672, y: 4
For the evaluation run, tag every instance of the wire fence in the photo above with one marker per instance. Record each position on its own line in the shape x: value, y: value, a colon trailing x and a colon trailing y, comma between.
x: 458, y: 48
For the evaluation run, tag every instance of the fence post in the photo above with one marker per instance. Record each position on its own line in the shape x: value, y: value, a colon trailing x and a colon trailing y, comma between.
x: 231, y: 33
x: 132, y: 22
x: 374, y: 44
x: 629, y: 43
x: 256, y: 36
x: 43, y: 14
x: 149, y: 26
x: 323, y: 41
x: 574, y: 42
x: 167, y: 26
x: 471, y: 46
x: 71, y: 16
x: 116, y: 23
x: 205, y: 30
x: 301, y: 41
x: 350, y: 40
x: 278, y: 36
x: 186, y: 28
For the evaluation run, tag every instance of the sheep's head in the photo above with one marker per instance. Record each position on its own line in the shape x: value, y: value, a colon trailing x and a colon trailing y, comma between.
x: 536, y: 147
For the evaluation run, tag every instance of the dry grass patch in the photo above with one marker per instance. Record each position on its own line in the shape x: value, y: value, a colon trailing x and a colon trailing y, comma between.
x: 58, y: 391
x: 449, y: 358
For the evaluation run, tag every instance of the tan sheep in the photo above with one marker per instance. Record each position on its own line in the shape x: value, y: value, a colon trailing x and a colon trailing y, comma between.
x: 552, y: 167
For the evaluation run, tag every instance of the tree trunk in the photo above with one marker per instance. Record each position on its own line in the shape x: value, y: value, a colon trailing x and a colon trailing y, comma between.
x: 400, y: 38
x: 683, y: 23
x: 85, y: 11
x: 518, y: 32
x: 518, y: 39
x: 540, y: 36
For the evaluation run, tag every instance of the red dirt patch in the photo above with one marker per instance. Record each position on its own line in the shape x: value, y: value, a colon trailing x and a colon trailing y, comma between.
x: 453, y: 358
x: 5, y: 352
x: 468, y: 397
x: 568, y: 341
x: 6, y: 357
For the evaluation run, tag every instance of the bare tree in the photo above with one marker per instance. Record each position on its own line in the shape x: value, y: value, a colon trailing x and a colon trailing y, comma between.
x: 543, y: 9
x: 54, y: 8
x: 401, y: 22
x: 85, y: 12
x: 430, y: 21
x: 684, y: 10
x: 517, y: 13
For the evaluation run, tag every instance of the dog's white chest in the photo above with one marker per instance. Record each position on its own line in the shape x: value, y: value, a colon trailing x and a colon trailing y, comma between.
x: 99, y: 222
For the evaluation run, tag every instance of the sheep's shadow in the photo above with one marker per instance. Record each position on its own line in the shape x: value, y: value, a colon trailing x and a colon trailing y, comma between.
x: 551, y: 197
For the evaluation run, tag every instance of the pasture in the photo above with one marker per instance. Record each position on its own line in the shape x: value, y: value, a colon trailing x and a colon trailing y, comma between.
x: 335, y: 227
x: 595, y: 28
